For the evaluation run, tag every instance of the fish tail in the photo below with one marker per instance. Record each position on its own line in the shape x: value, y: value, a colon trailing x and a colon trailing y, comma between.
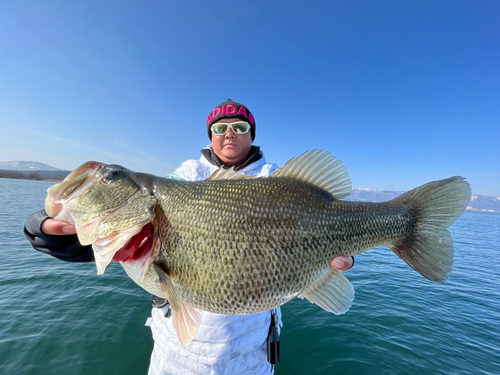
x: 436, y: 206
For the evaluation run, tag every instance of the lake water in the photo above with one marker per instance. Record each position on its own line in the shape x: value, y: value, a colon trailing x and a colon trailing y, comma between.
x: 61, y: 318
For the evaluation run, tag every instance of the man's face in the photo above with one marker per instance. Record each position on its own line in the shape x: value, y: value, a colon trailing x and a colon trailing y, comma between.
x: 232, y: 149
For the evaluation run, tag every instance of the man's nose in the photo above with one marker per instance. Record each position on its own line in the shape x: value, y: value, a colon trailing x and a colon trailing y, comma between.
x: 230, y: 133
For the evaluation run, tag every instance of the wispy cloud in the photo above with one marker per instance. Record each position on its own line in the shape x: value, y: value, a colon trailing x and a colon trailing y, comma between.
x: 147, y: 156
x: 72, y: 142
x: 130, y: 154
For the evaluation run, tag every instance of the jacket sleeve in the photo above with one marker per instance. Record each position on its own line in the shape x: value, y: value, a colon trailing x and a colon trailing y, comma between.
x: 191, y: 170
x: 66, y: 248
x: 267, y: 170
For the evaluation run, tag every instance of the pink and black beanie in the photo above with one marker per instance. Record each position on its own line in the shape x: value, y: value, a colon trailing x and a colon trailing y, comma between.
x: 230, y: 109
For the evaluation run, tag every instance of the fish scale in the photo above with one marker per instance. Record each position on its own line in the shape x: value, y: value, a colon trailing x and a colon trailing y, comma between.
x: 314, y: 230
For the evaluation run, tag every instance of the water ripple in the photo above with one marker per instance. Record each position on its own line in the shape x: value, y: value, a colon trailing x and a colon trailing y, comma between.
x: 61, y: 318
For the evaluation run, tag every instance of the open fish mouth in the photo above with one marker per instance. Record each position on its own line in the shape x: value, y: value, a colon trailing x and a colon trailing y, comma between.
x: 73, y: 186
x: 100, y: 200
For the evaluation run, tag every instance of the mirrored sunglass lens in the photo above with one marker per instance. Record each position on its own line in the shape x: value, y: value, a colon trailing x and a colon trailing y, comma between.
x: 240, y: 128
x: 219, y: 128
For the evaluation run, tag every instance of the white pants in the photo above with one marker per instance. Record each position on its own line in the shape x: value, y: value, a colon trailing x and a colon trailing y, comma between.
x: 224, y: 344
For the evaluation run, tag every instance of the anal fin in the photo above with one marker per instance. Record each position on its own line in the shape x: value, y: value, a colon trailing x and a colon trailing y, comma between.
x: 334, y: 293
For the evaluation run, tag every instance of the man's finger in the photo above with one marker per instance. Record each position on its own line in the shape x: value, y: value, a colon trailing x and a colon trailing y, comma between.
x: 342, y: 263
x: 57, y: 227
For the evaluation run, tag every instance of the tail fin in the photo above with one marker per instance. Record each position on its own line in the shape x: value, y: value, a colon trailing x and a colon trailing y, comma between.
x: 437, y: 205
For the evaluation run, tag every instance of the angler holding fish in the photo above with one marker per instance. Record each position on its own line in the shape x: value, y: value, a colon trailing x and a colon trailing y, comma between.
x: 224, y: 281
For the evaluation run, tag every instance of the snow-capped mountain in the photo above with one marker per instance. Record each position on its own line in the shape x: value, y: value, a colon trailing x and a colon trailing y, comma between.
x: 372, y: 195
x: 478, y: 202
x: 25, y: 166
x: 481, y: 202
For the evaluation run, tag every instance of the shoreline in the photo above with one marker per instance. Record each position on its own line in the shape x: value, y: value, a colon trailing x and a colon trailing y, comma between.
x: 480, y: 210
x: 37, y: 178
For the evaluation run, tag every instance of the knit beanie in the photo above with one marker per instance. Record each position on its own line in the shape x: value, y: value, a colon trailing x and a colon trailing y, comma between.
x: 230, y: 109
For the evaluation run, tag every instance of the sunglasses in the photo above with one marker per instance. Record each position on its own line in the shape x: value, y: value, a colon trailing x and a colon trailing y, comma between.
x: 238, y: 127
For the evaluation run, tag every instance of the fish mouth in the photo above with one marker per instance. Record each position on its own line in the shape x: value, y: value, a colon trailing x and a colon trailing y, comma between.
x: 115, y: 231
x: 74, y: 185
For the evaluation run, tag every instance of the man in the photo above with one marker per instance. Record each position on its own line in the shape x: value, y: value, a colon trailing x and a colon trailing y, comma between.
x: 224, y: 344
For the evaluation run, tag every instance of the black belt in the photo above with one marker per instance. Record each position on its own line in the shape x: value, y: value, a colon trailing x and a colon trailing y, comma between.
x: 273, y: 340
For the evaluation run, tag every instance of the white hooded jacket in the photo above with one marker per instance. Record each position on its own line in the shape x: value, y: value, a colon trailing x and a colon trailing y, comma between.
x: 224, y: 344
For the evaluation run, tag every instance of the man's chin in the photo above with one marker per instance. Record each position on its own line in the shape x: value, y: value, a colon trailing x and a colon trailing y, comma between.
x: 232, y: 152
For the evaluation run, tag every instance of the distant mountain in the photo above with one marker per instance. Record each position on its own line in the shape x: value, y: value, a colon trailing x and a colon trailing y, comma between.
x: 479, y: 202
x: 36, y: 170
x: 31, y: 166
x: 372, y: 195
x: 31, y: 170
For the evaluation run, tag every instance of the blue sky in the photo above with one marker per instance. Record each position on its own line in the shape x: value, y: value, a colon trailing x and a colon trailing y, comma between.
x: 402, y: 92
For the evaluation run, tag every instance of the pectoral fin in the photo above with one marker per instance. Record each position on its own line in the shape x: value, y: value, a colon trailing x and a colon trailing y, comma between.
x: 334, y: 293
x: 186, y: 319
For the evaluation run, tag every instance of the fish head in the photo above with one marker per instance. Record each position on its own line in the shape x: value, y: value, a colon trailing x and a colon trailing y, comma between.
x: 108, y: 204
x: 78, y: 181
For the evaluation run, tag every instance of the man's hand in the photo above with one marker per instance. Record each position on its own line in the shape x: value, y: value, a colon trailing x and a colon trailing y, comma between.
x: 57, y: 227
x: 342, y: 263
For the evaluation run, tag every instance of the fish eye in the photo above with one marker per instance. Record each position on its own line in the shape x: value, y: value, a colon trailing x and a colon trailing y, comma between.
x: 109, y: 176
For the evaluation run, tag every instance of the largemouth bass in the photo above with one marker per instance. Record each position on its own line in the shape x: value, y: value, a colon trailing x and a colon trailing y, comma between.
x: 234, y: 244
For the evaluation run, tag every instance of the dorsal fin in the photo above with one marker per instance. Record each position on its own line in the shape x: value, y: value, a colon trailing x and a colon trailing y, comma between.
x: 227, y: 174
x: 320, y: 168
